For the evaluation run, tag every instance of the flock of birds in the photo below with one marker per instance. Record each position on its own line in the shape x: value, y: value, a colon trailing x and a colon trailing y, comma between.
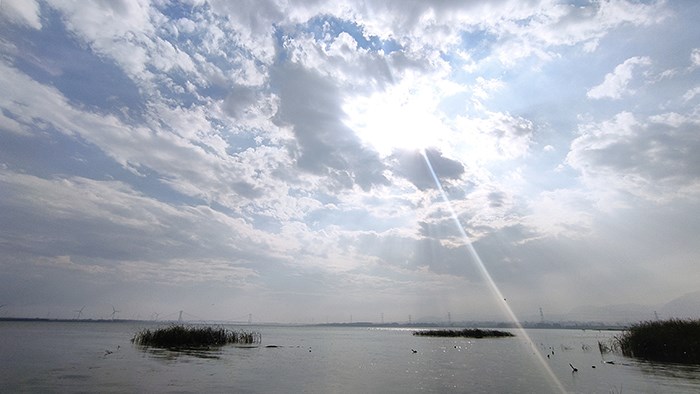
x: 573, y: 369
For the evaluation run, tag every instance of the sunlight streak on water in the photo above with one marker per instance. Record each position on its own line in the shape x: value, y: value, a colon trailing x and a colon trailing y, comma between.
x: 489, y: 280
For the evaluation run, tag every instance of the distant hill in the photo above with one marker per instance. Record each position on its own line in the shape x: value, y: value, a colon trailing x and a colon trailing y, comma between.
x: 619, y: 313
x: 685, y: 306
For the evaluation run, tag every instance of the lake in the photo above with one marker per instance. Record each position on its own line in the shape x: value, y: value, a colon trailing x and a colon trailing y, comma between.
x: 43, y: 356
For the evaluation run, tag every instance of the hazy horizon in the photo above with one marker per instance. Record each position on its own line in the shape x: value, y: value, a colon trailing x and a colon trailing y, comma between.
x: 301, y: 161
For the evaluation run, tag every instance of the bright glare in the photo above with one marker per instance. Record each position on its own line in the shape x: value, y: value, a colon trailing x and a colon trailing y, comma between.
x: 404, y: 117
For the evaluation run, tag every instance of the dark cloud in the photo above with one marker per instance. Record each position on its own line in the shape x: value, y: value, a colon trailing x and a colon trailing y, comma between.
x: 311, y: 105
x: 238, y: 100
x: 412, y: 166
x: 496, y: 199
x: 246, y: 190
x: 658, y: 157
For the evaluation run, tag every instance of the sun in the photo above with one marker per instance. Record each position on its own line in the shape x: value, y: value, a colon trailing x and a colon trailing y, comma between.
x: 399, y: 118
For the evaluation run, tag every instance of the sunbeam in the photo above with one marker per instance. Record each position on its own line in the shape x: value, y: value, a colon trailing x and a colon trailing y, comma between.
x: 489, y: 280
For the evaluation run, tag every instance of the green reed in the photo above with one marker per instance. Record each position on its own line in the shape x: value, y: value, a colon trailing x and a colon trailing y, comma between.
x: 672, y: 340
x: 467, y: 333
x: 194, y: 336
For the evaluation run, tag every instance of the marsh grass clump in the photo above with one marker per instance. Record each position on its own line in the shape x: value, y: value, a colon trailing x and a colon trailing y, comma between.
x: 466, y: 333
x: 672, y: 340
x: 605, y: 347
x: 179, y: 336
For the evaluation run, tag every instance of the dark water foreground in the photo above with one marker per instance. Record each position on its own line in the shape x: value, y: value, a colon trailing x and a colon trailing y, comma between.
x: 99, y: 357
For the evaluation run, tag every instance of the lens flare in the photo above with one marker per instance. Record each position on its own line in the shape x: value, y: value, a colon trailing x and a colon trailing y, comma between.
x: 489, y: 280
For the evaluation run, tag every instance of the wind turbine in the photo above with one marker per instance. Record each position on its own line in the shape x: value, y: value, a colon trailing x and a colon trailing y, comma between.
x: 79, y: 312
x: 114, y: 311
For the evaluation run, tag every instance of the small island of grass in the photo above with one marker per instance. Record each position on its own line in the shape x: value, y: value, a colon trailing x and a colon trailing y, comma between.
x: 669, y: 340
x: 179, y: 336
x: 466, y: 333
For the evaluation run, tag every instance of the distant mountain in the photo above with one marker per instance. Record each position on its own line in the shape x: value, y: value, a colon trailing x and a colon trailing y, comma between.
x: 685, y: 306
x: 619, y: 313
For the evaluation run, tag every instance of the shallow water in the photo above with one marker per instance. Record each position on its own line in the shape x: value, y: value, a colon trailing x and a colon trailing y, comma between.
x: 90, y: 357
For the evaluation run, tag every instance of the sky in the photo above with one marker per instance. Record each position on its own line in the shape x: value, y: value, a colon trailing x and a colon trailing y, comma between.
x: 309, y: 161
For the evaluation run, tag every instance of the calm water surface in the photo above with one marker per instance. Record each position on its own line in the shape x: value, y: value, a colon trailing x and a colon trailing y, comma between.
x: 99, y: 357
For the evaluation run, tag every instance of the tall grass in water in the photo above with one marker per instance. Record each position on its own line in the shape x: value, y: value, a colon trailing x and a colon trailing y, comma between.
x: 672, y: 340
x: 467, y: 332
x: 179, y: 336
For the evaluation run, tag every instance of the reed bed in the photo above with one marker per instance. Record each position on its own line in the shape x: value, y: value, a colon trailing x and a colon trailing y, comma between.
x: 466, y: 333
x: 179, y: 336
x: 672, y: 340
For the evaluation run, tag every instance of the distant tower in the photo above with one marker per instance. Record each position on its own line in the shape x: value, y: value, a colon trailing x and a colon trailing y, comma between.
x: 179, y: 318
x: 350, y: 318
x: 541, y: 316
x: 409, y: 319
x: 656, y: 315
x: 382, y: 317
x: 449, y: 318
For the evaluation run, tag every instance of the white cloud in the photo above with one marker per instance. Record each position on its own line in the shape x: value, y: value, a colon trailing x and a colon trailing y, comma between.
x: 189, y: 271
x: 484, y: 88
x: 691, y: 93
x: 695, y: 57
x: 21, y: 11
x: 654, y: 160
x: 616, y: 83
x: 492, y: 137
x: 131, y: 235
x: 66, y: 262
x: 559, y: 213
x: 270, y: 150
x: 13, y: 126
x: 551, y: 25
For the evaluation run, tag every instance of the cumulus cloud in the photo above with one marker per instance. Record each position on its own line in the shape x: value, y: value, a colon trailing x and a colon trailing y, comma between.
x: 412, y: 165
x: 495, y: 135
x: 550, y: 26
x: 655, y: 159
x: 21, y: 11
x: 310, y: 105
x: 270, y: 152
x: 695, y: 57
x: 690, y: 94
x: 615, y: 84
x: 560, y: 213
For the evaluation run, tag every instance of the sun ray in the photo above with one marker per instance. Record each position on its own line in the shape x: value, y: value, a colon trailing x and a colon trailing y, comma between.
x: 503, y: 303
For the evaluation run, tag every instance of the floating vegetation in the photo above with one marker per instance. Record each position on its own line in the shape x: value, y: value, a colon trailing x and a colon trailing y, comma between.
x: 179, y: 336
x: 672, y: 340
x: 466, y: 333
